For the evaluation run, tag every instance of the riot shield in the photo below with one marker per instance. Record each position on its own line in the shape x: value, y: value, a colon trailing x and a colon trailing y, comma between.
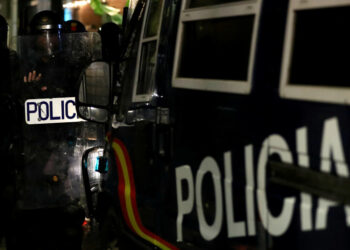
x: 53, y: 137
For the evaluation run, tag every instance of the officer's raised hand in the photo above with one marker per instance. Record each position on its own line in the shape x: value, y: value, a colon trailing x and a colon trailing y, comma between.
x: 32, y: 77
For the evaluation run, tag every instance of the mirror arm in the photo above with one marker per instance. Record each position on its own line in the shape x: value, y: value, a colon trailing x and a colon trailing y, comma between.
x: 125, y: 18
x: 119, y: 116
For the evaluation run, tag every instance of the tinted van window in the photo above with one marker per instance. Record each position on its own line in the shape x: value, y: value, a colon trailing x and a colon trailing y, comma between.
x: 217, y: 49
x: 321, y: 48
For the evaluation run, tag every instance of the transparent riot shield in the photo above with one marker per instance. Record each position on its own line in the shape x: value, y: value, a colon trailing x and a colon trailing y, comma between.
x: 53, y: 137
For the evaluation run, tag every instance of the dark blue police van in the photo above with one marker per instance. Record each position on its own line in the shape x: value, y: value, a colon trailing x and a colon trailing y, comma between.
x: 227, y: 127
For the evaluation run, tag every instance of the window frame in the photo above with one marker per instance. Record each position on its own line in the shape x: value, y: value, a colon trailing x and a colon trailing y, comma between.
x: 242, y: 8
x: 328, y: 94
x: 143, y: 40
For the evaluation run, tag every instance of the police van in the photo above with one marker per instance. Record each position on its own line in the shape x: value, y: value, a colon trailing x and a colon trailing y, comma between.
x: 229, y: 130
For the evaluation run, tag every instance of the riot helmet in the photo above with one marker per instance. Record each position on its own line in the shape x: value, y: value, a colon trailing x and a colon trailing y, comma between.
x: 72, y: 26
x: 46, y: 27
x: 110, y: 37
x: 3, y: 32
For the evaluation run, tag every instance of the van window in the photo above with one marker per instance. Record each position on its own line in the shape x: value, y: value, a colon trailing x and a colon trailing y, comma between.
x: 216, y: 46
x: 201, y: 3
x: 217, y: 49
x: 147, y: 67
x: 153, y: 18
x: 144, y: 83
x: 317, y: 51
x: 320, y: 47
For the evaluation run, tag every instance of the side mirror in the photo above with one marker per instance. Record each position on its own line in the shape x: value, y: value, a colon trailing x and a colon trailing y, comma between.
x: 94, y: 96
x: 92, y: 167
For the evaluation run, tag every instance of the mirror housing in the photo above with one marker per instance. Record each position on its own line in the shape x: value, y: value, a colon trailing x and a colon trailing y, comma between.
x: 94, y: 98
x: 90, y: 165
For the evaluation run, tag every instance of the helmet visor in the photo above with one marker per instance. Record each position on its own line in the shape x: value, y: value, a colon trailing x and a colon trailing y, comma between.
x: 48, y: 44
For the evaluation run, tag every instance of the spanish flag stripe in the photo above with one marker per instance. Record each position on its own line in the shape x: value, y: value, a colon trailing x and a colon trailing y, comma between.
x: 121, y: 185
x: 133, y: 200
x: 129, y: 207
x: 129, y: 200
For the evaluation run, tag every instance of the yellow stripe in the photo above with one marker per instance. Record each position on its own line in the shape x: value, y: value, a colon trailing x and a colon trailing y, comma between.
x: 127, y: 191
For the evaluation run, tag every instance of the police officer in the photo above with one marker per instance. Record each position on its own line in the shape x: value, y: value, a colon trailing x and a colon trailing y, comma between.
x: 47, y: 68
x: 9, y: 71
x: 48, y: 200
x: 79, y: 40
x: 9, y: 65
x: 73, y: 26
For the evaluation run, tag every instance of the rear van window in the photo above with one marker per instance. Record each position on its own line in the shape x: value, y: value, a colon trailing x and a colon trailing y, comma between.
x: 317, y: 52
x: 216, y: 45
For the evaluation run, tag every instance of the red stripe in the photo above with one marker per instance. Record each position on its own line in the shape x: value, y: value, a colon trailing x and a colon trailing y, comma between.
x: 121, y: 192
x: 133, y: 198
